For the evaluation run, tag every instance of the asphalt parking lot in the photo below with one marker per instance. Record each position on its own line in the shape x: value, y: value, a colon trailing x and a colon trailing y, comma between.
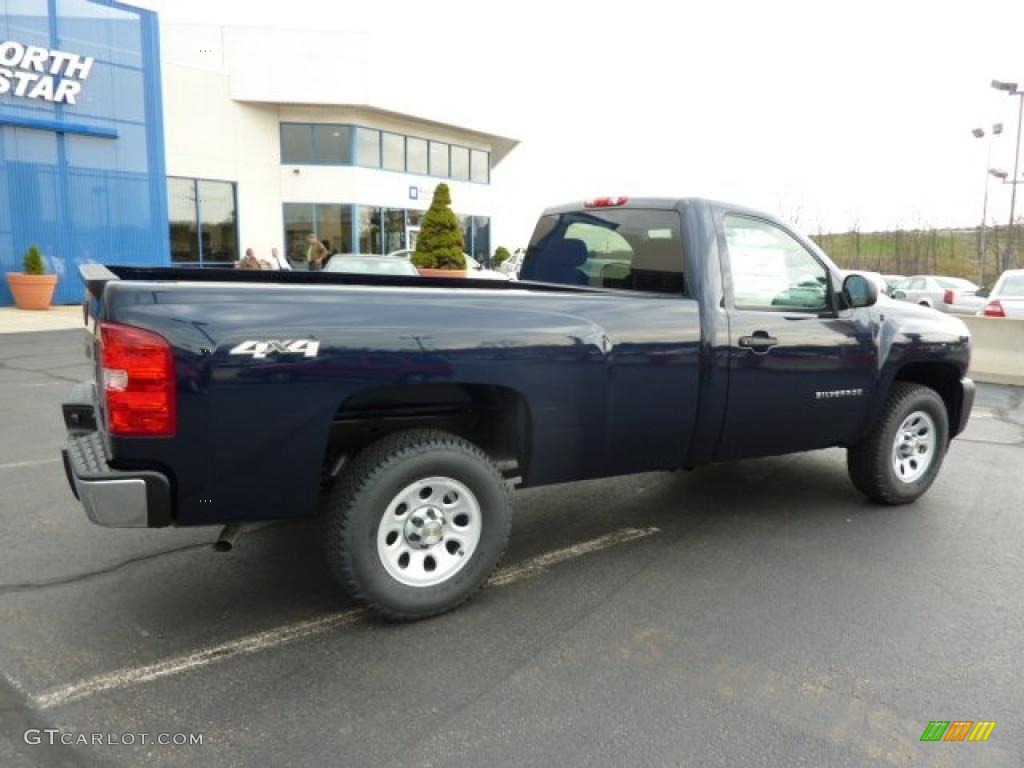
x: 753, y: 614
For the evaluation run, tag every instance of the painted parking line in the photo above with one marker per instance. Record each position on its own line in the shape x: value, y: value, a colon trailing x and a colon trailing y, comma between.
x: 33, y: 463
x: 289, y: 633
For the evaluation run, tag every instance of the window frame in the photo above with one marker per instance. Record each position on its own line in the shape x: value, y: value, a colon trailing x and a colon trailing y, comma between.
x: 353, y: 151
x: 831, y: 307
x: 201, y: 263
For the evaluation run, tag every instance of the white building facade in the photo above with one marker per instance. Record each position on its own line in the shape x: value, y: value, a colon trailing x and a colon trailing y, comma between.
x: 273, y: 134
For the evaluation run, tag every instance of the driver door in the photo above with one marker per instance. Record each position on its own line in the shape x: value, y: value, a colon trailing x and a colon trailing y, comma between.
x: 800, y: 369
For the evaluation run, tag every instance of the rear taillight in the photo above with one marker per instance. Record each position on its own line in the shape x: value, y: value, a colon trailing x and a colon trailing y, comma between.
x: 994, y: 309
x: 606, y: 202
x: 138, y: 382
x: 947, y: 297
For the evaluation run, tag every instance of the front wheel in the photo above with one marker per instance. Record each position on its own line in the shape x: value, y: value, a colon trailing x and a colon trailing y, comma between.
x: 900, y: 458
x: 417, y: 524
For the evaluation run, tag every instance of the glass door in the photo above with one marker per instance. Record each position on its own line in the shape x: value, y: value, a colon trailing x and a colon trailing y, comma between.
x: 411, y: 235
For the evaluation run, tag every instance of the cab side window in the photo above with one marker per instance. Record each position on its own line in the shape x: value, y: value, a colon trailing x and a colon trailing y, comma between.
x: 771, y: 269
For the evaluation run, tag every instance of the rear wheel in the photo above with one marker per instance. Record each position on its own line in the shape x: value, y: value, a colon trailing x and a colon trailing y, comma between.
x: 899, y: 459
x: 417, y: 523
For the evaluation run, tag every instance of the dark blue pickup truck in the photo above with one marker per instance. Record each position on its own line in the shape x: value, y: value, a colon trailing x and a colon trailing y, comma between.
x: 644, y: 334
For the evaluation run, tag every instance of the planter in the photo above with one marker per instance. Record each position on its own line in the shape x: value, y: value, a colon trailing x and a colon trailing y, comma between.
x: 442, y: 272
x: 32, y: 291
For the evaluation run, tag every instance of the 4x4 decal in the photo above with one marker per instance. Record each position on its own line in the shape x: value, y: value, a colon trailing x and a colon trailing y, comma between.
x: 261, y: 348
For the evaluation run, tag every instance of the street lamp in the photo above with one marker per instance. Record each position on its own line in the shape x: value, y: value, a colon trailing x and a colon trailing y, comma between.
x: 1012, y: 90
x: 979, y: 133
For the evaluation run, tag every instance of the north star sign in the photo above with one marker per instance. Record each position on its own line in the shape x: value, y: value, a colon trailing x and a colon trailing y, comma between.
x: 40, y: 73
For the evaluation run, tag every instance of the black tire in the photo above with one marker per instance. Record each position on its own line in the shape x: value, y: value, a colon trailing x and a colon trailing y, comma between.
x: 871, y: 462
x: 358, y: 502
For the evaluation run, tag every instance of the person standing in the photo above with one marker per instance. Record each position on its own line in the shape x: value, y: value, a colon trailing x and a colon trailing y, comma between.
x: 277, y: 261
x: 316, y: 253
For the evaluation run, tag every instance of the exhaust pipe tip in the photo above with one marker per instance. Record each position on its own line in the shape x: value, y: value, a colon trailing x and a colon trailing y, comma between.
x: 225, y: 541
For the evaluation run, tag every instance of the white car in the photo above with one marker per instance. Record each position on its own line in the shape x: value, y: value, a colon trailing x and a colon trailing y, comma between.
x: 1007, y: 297
x: 476, y: 269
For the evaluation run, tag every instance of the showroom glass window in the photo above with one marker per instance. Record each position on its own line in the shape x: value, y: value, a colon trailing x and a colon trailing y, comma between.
x: 203, y: 221
x: 460, y: 163
x: 299, y: 221
x: 370, y: 230
x: 333, y: 144
x: 334, y: 227
x: 480, y: 167
x: 368, y: 147
x: 184, y: 220
x: 416, y: 155
x: 439, y: 159
x: 296, y: 143
x: 392, y: 152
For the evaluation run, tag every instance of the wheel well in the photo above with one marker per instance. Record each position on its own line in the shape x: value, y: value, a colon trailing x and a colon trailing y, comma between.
x: 495, y: 418
x: 944, y: 379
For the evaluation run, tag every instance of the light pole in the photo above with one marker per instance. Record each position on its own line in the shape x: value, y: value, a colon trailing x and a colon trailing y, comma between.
x: 979, y: 133
x: 1011, y: 90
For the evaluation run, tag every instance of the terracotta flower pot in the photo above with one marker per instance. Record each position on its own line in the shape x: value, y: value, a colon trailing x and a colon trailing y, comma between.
x: 424, y: 272
x: 32, y: 291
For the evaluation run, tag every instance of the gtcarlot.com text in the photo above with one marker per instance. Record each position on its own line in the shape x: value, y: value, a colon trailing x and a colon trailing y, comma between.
x: 70, y: 738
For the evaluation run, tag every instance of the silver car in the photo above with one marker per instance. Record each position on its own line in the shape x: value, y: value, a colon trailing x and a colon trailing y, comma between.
x: 954, y: 295
x: 370, y: 265
x: 1007, y: 297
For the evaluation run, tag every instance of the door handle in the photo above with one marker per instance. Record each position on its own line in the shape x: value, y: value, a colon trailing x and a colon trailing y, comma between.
x: 759, y: 343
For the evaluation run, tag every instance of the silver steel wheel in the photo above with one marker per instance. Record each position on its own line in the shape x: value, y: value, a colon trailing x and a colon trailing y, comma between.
x: 913, y: 450
x: 429, y: 531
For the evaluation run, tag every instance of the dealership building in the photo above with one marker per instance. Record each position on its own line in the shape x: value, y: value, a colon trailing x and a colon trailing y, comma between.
x: 126, y: 142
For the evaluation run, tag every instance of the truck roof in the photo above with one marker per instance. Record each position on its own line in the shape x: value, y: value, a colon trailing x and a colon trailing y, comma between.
x: 657, y: 203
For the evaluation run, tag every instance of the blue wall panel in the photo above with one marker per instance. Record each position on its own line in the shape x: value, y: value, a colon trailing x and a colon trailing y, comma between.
x: 85, y: 198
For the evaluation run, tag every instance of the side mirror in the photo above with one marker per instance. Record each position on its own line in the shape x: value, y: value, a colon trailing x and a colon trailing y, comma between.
x: 858, y: 291
x: 899, y: 295
x: 983, y: 293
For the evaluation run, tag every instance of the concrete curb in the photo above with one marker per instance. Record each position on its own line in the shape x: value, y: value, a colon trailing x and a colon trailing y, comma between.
x: 997, y: 349
x: 57, y: 318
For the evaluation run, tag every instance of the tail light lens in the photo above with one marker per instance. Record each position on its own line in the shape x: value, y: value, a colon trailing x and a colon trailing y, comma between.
x: 947, y: 297
x: 606, y: 202
x: 994, y: 309
x: 138, y: 382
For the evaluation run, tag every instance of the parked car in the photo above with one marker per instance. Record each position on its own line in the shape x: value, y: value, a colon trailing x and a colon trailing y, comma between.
x: 1007, y: 296
x: 234, y: 397
x: 953, y: 295
x: 891, y: 281
x: 476, y: 269
x: 369, y: 265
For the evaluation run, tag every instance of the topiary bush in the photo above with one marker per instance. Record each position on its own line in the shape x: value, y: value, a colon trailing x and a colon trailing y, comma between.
x: 501, y: 255
x: 440, y: 244
x: 33, y: 262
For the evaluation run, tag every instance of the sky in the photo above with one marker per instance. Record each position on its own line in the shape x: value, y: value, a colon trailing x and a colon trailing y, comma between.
x: 832, y: 115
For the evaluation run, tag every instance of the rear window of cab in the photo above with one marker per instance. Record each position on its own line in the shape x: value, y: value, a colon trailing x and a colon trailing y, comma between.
x: 629, y: 249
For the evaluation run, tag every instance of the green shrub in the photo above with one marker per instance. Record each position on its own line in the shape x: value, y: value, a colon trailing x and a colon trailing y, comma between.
x: 33, y: 262
x: 440, y: 244
x: 501, y: 255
